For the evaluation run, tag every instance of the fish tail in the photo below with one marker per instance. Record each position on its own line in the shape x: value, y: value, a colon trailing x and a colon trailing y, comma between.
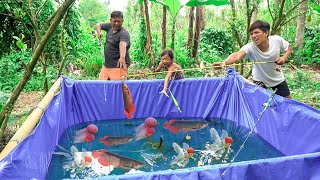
x: 129, y: 113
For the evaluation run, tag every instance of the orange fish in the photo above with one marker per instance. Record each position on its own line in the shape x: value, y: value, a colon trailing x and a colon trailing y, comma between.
x: 176, y: 126
x: 115, y: 140
x: 127, y: 99
x: 107, y: 158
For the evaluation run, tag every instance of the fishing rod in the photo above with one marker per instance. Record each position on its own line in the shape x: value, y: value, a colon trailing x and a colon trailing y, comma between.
x: 208, y: 67
x: 266, y: 106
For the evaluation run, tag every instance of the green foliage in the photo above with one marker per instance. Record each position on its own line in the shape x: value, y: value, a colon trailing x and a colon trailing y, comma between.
x: 90, y: 56
x: 137, y: 48
x: 12, y: 68
x: 73, y: 29
x: 20, y: 43
x: 207, y: 2
x: 94, y: 11
x: 13, y: 22
x: 3, y: 99
x: 174, y: 6
x: 214, y: 44
x: 310, y: 53
x: 304, y: 88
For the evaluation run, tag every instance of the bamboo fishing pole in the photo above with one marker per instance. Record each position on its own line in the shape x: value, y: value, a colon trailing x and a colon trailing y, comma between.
x: 201, y: 68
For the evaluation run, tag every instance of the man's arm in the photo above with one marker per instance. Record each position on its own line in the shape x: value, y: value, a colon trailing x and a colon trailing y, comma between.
x: 123, y: 50
x: 99, y: 31
x: 234, y: 57
x: 282, y: 60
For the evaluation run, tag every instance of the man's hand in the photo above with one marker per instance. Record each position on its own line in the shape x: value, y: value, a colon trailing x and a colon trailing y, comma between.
x: 122, y: 63
x: 281, y: 60
x: 218, y: 65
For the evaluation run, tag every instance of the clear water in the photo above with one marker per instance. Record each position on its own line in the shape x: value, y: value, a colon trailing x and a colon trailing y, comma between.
x: 146, y: 150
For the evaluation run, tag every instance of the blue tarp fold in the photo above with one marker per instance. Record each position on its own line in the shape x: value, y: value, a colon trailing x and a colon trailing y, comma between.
x: 290, y: 126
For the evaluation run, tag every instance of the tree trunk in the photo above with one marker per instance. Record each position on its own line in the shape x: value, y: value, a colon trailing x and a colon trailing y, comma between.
x: 190, y: 31
x: 202, y: 20
x: 197, y: 33
x: 7, y: 108
x: 164, y: 27
x: 283, y: 15
x: 63, y: 48
x: 255, y: 11
x: 173, y: 34
x: 143, y: 24
x: 149, y: 38
x: 233, y: 26
x: 301, y: 22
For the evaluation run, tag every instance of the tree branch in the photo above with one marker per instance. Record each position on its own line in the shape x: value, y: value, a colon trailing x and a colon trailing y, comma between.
x: 46, y: 24
x: 295, y: 6
x: 293, y: 17
x: 40, y: 9
x: 34, y: 19
x: 270, y: 11
x: 28, y: 14
x: 281, y: 8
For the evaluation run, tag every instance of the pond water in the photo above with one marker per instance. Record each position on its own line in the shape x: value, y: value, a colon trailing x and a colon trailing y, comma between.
x: 127, y: 146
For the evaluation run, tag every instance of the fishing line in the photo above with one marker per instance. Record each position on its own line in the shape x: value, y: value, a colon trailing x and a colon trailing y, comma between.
x: 266, y: 106
x: 201, y: 68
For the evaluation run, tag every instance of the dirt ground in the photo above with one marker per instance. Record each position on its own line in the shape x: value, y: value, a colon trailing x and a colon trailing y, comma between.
x: 26, y: 101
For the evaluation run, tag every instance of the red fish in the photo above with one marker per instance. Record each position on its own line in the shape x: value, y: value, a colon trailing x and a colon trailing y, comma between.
x: 115, y: 140
x: 127, y: 99
x: 176, y: 126
x: 107, y: 158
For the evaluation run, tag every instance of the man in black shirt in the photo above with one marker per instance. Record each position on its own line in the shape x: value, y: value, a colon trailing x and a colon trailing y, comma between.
x: 116, y: 49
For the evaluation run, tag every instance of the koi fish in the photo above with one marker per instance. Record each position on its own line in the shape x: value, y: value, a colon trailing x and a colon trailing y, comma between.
x: 176, y: 126
x: 108, y: 158
x: 127, y: 99
x: 115, y: 140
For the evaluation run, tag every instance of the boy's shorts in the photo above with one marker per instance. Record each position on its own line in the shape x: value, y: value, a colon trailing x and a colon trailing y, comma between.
x: 282, y: 88
x: 113, y: 73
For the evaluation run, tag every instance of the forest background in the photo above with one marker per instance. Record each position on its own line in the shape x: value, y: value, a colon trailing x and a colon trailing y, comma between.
x: 43, y: 39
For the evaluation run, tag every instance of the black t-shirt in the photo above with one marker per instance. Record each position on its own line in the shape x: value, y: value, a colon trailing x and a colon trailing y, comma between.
x: 111, y: 48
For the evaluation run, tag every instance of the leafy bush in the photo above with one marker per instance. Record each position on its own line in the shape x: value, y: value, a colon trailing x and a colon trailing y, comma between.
x: 310, y: 53
x: 214, y: 44
x: 12, y: 68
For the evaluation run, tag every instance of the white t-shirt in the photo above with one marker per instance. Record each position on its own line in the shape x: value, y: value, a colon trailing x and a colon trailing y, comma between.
x: 267, y: 73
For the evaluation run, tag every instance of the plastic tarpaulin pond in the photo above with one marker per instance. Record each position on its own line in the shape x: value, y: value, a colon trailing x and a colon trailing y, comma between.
x: 291, y: 127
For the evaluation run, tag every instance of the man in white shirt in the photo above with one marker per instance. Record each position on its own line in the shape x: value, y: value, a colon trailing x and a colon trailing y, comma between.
x: 264, y: 48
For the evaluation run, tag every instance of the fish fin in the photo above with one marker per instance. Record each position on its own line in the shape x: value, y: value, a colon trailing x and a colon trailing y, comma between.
x: 103, y: 161
x: 107, y: 143
x: 128, y: 114
x: 103, y: 139
x: 214, y: 135
x: 224, y: 135
x: 173, y: 129
x: 168, y: 124
x: 185, y: 146
x: 95, y: 154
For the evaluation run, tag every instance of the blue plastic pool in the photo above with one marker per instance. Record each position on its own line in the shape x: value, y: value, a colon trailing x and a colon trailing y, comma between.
x: 291, y: 127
